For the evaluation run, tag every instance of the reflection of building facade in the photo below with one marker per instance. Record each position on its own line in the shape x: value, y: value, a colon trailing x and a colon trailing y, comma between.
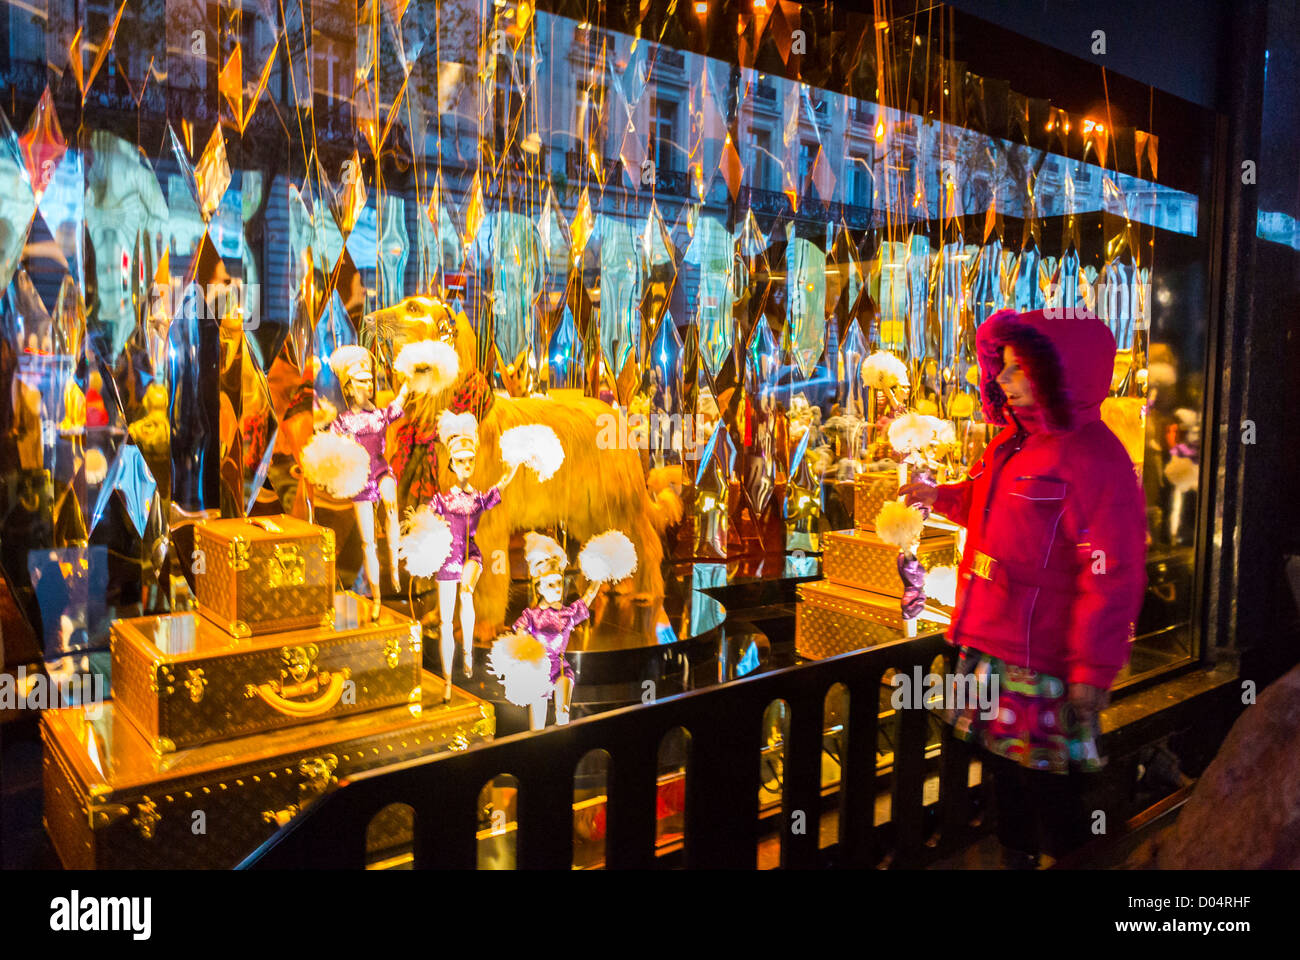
x: 714, y: 245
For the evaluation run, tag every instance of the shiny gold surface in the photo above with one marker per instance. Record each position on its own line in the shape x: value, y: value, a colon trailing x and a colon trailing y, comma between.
x: 128, y: 760
x: 102, y: 776
x: 184, y: 681
x: 859, y: 558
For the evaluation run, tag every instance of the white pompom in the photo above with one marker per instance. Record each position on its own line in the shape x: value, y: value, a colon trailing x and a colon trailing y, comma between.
x: 941, y: 585
x: 912, y: 432
x: 899, y: 524
x: 608, y: 557
x: 883, y: 371
x: 521, y: 661
x: 430, y: 365
x: 1182, y: 473
x: 425, y: 543
x: 337, y: 463
x: 945, y: 434
x: 535, y: 446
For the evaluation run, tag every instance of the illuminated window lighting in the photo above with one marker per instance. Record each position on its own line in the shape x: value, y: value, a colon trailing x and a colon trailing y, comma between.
x: 760, y: 4
x: 880, y: 130
x: 701, y: 8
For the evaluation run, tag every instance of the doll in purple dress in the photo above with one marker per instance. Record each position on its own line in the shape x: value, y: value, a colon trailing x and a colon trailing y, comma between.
x: 368, y: 425
x: 551, y: 623
x: 461, y: 506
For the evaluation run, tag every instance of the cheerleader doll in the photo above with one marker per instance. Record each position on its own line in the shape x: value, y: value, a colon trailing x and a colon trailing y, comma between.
x: 368, y: 425
x: 347, y: 457
x: 461, y: 507
x: 531, y: 659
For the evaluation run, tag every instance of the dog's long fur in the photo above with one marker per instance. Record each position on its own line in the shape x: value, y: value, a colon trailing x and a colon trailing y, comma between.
x: 593, y: 491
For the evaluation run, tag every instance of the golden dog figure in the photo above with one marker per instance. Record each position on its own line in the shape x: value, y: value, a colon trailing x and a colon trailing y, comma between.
x: 598, y: 488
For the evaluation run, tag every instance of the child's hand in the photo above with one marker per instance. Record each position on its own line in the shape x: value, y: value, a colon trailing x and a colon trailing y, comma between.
x: 919, y: 494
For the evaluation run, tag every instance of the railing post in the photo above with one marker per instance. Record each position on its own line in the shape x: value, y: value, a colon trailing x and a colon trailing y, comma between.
x: 907, y: 810
x: 858, y: 773
x: 954, y: 786
x: 546, y: 805
x: 446, y: 820
x: 631, y: 806
x: 722, y: 792
x: 803, y: 780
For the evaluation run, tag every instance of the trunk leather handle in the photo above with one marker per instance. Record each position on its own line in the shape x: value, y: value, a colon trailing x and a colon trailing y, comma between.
x: 272, y: 697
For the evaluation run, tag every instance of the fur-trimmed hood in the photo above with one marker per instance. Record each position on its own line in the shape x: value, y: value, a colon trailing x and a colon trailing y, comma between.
x: 1069, y: 361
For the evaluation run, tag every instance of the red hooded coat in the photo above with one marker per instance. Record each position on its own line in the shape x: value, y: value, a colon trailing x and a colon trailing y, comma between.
x: 1053, y: 573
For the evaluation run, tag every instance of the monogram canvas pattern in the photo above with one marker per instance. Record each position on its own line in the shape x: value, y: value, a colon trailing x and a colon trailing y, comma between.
x: 304, y: 677
x: 287, y: 576
x: 243, y: 802
x: 870, y: 491
x: 859, y: 559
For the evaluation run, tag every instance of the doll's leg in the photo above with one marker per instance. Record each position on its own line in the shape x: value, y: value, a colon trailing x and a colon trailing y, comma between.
x: 388, y: 492
x: 537, y: 714
x: 563, y: 698
x: 468, y: 580
x: 447, y: 645
x: 366, y: 524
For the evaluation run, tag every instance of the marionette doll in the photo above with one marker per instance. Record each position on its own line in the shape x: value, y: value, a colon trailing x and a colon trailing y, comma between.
x: 530, y: 660
x: 462, y: 507
x: 349, y: 460
x: 438, y: 539
x: 368, y: 425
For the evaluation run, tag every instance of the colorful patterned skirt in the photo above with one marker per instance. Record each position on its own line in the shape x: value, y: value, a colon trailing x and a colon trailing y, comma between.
x: 1030, y: 721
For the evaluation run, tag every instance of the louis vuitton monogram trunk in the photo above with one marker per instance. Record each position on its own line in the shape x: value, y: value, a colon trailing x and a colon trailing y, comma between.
x: 859, y: 558
x: 263, y: 574
x: 870, y: 491
x: 831, y: 618
x: 111, y: 802
x: 184, y: 681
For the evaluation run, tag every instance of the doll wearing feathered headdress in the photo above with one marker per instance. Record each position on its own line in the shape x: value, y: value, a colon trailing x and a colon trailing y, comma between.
x: 462, y: 506
x: 348, y: 459
x: 549, y: 622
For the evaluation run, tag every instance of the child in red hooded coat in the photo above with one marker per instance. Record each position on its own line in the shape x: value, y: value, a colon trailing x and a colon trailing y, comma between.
x: 1052, y: 574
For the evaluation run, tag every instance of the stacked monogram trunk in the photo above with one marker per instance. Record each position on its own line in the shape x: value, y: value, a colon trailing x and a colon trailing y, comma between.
x: 857, y: 604
x: 226, y: 722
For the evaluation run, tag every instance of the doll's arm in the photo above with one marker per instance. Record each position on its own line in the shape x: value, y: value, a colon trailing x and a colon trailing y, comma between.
x: 398, y: 406
x: 507, y: 477
x: 589, y: 595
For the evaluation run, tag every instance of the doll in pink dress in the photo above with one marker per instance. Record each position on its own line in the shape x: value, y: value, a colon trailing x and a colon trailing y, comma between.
x: 461, y: 507
x: 551, y: 623
x: 368, y: 425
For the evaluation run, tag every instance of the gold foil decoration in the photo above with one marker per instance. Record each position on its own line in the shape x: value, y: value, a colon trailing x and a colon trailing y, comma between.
x: 349, y: 198
x: 84, y: 81
x: 212, y: 175
x: 230, y: 82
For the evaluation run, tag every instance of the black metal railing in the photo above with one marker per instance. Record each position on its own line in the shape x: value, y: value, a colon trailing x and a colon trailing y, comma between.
x: 723, y: 826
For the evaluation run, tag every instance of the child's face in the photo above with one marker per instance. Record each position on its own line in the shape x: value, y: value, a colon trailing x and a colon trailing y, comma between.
x: 1013, y: 381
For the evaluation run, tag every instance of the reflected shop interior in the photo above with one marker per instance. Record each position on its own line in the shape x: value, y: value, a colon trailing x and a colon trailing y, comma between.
x: 694, y: 226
